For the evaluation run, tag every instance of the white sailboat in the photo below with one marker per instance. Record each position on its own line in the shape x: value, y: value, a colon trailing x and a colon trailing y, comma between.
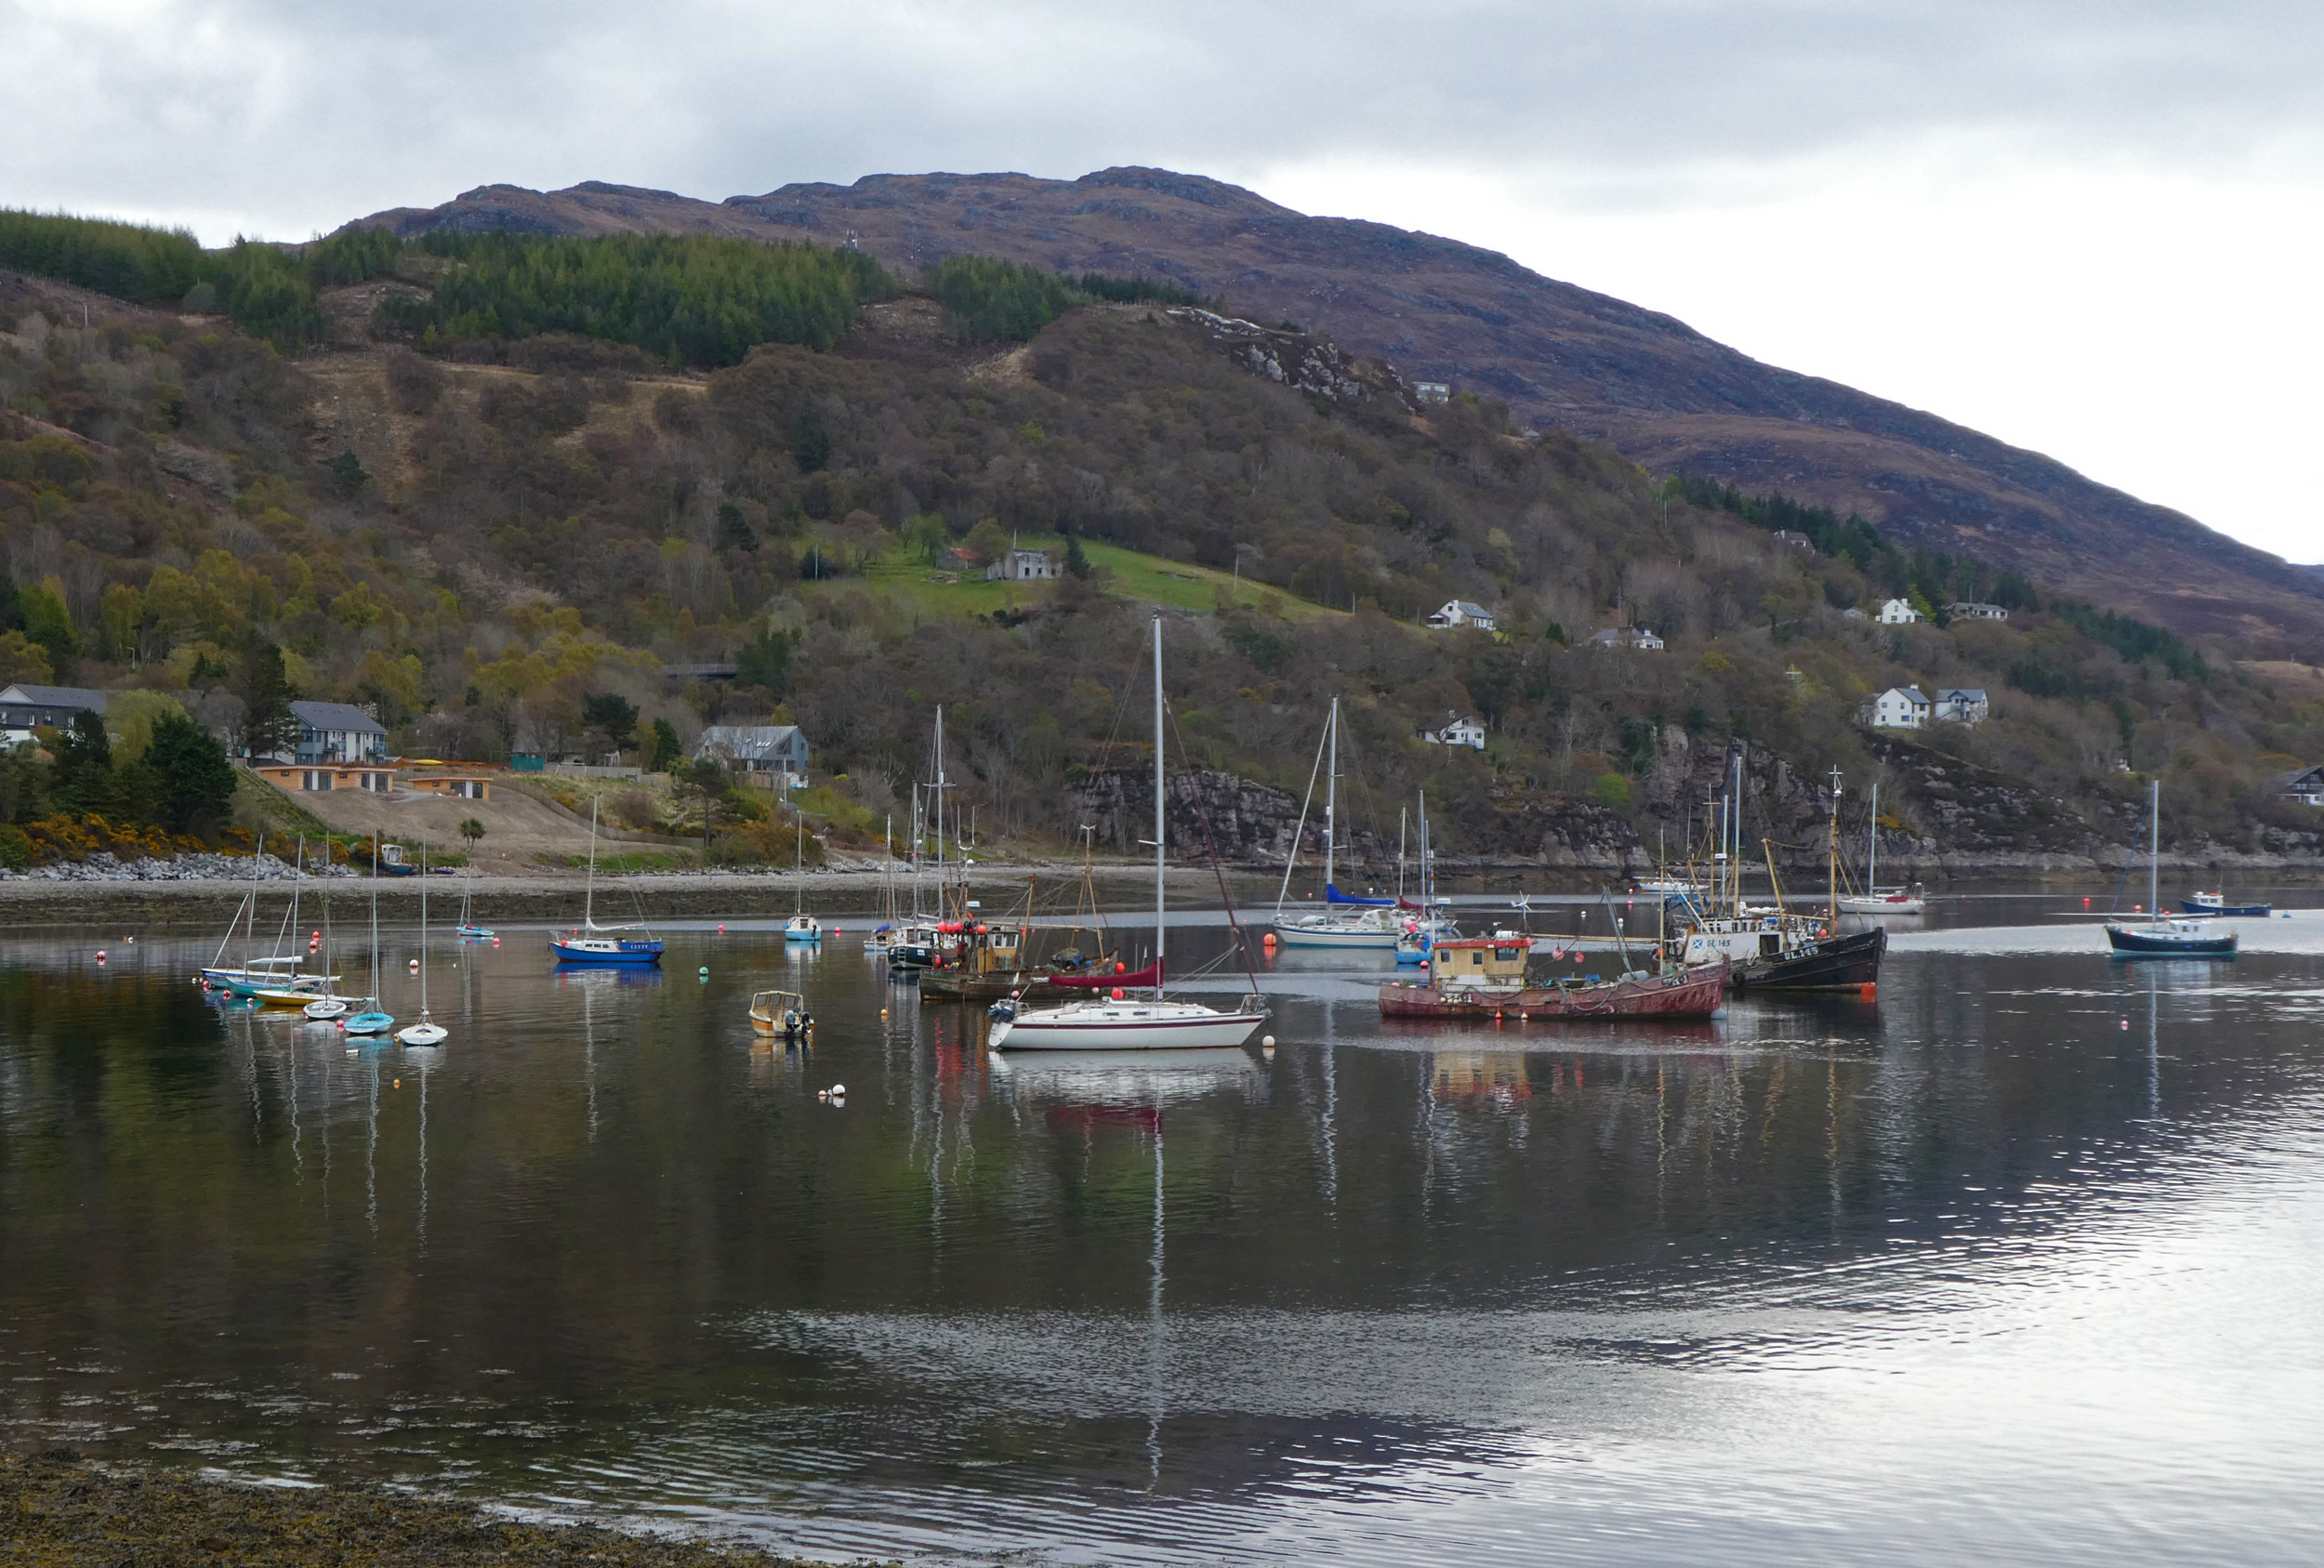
x: 1345, y: 921
x: 1120, y: 1022
x: 427, y: 1032
x: 801, y: 927
x: 1875, y: 900
x: 373, y: 1019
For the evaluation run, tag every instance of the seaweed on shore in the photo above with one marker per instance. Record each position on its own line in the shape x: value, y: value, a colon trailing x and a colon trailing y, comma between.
x: 58, y: 1510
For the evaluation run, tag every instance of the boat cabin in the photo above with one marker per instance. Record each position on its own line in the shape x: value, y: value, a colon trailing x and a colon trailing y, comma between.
x: 1469, y: 964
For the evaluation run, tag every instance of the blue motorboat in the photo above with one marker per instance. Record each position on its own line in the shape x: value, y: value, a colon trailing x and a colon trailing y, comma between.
x: 2216, y: 903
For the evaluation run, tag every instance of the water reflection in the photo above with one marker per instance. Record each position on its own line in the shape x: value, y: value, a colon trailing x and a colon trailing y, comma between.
x: 1512, y: 1291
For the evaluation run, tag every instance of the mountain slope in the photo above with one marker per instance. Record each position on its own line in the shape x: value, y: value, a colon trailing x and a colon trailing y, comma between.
x: 1658, y: 391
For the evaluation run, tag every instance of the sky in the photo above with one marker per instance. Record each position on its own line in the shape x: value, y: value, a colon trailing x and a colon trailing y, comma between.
x: 2087, y: 227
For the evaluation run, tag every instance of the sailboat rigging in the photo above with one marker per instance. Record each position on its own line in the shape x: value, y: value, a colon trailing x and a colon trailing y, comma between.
x: 593, y: 943
x: 427, y: 1032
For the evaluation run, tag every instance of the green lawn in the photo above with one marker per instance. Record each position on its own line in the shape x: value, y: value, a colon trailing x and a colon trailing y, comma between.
x: 1133, y: 575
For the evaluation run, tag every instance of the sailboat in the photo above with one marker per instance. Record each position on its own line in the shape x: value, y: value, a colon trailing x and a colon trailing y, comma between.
x: 468, y: 928
x: 593, y: 943
x: 883, y: 935
x: 427, y: 1032
x: 296, y: 988
x: 1421, y: 935
x: 1346, y: 920
x: 2165, y: 936
x: 330, y: 1005
x: 1119, y: 1022
x: 801, y: 927
x: 371, y: 1019
x: 1876, y: 900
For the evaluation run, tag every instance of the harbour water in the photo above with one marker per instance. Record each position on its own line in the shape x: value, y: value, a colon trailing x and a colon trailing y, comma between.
x: 2019, y: 1263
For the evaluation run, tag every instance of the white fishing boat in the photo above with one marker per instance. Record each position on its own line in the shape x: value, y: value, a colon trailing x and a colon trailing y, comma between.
x: 1117, y: 1022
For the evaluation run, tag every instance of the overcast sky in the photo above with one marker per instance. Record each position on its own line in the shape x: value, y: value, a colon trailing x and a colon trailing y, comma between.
x: 2090, y: 227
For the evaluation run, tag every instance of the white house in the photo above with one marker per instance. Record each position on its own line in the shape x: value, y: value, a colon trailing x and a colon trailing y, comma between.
x: 1897, y: 613
x: 1023, y: 566
x: 2305, y: 787
x: 1433, y: 391
x: 1459, y: 729
x: 1965, y: 609
x: 1900, y: 707
x: 25, y: 708
x: 1961, y: 705
x: 1626, y: 637
x: 338, y: 733
x: 1461, y: 613
x: 756, y: 748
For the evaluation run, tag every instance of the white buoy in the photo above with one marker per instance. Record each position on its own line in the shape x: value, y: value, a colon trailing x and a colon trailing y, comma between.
x: 1269, y: 1042
x: 837, y: 1089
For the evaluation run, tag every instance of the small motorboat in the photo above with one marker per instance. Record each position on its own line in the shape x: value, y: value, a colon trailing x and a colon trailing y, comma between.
x: 324, y: 1009
x: 2201, y: 905
x: 781, y: 1012
x: 369, y: 1022
x: 802, y: 928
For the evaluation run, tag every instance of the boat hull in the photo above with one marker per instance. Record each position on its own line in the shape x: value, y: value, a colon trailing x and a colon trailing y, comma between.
x: 1327, y: 936
x: 584, y: 951
x: 2230, y: 911
x: 1698, y: 993
x: 1882, y: 906
x: 2127, y: 944
x: 1840, y: 963
x: 1124, y: 1032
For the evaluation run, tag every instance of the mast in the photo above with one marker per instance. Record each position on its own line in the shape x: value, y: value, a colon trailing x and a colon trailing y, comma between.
x: 1402, y: 812
x: 1160, y: 863
x: 588, y: 891
x: 1332, y: 798
x: 2154, y: 856
x: 1831, y: 868
x: 376, y: 833
x: 940, y: 811
x: 423, y: 931
x: 1872, y: 845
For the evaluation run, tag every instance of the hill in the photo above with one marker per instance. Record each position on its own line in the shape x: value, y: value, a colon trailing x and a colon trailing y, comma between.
x: 512, y: 539
x: 1561, y: 357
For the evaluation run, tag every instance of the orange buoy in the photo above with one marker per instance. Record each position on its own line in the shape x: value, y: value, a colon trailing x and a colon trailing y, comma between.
x: 1119, y: 995
x: 1868, y: 992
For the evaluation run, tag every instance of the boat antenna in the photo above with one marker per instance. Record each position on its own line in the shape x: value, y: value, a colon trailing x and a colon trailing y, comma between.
x: 1831, y: 870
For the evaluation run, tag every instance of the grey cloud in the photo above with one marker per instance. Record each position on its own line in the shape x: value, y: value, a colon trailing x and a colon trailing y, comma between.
x: 296, y: 115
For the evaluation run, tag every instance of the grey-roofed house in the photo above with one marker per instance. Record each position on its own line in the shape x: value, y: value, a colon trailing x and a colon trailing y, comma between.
x: 1461, y: 613
x: 1900, y: 707
x: 2304, y: 786
x: 755, y: 748
x: 1626, y: 637
x: 25, y: 708
x: 339, y: 733
x: 1961, y: 705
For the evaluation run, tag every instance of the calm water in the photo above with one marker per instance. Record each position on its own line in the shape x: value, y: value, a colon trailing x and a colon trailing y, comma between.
x: 2023, y: 1262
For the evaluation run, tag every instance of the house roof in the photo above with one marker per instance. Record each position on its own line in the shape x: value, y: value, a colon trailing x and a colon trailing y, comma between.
x: 56, y: 696
x: 1475, y: 612
x: 2299, y: 776
x: 1961, y: 694
x: 746, y: 743
x: 1911, y: 694
x: 336, y: 715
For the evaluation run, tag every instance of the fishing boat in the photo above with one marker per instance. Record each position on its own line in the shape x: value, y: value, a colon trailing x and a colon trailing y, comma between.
x: 1875, y: 899
x: 427, y: 1032
x: 593, y: 943
x: 371, y: 1019
x: 1118, y: 1022
x: 2217, y: 904
x: 2165, y: 936
x: 1347, y: 920
x: 1485, y: 977
x: 781, y: 1012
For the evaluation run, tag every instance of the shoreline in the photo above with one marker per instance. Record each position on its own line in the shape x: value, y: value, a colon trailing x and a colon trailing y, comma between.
x: 62, y: 1510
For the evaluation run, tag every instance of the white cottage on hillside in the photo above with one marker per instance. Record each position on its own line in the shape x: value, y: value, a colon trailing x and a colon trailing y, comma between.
x: 1900, y: 707
x: 1461, y: 613
x: 1961, y: 705
x: 1626, y: 637
x: 1898, y: 613
x: 1459, y: 729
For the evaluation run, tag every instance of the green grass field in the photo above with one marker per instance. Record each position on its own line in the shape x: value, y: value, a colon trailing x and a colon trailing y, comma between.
x: 1129, y: 574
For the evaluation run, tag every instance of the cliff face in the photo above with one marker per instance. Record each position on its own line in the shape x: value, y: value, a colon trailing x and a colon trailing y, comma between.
x: 1440, y: 310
